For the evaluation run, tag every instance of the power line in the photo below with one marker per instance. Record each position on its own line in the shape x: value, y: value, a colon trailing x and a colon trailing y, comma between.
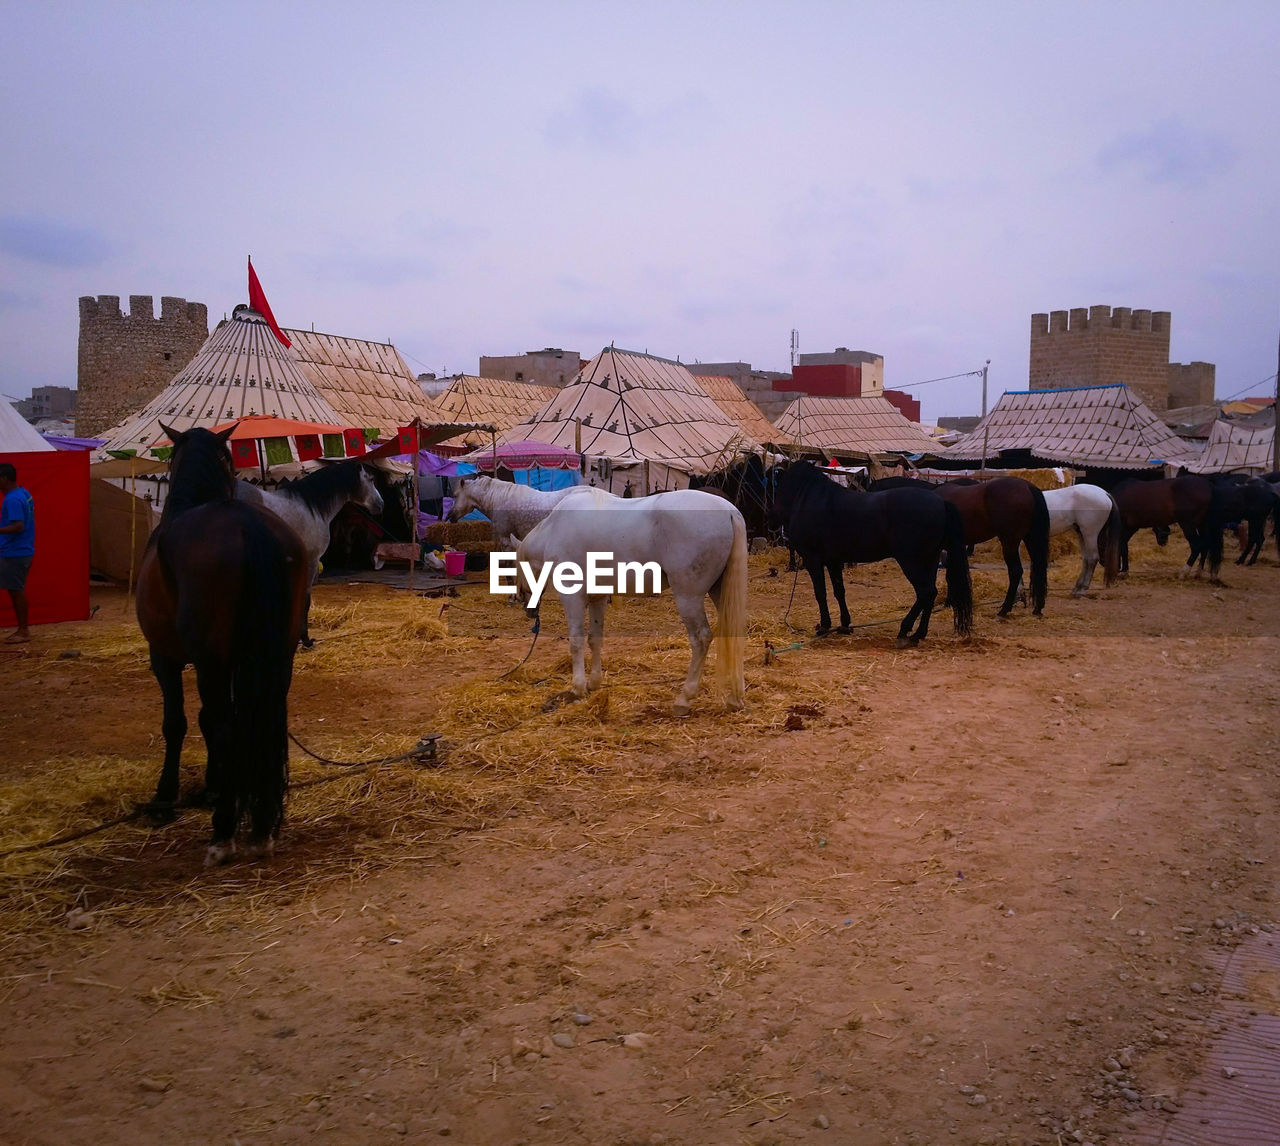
x: 1246, y: 389
x: 944, y: 378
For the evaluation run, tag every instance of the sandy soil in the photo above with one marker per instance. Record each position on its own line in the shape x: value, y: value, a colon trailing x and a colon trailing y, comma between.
x: 969, y: 893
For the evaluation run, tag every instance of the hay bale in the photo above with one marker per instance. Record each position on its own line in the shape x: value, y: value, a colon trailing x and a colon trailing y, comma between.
x: 458, y: 534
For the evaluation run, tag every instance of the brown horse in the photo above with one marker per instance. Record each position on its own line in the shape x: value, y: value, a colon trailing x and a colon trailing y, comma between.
x: 223, y: 586
x: 1189, y: 501
x: 1013, y: 510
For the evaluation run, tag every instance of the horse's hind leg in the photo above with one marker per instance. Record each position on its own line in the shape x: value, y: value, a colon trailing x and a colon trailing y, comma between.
x: 818, y: 575
x: 217, y: 724
x: 306, y: 640
x: 1088, y: 560
x: 924, y: 581
x: 595, y: 641
x: 1012, y: 562
x: 174, y: 728
x: 694, y: 615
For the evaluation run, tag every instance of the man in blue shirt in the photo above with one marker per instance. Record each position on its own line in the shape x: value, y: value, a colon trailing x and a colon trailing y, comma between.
x: 17, y: 546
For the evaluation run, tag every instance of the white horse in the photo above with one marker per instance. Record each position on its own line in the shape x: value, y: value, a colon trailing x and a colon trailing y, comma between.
x: 1091, y: 512
x: 309, y: 504
x: 513, y: 509
x: 700, y: 543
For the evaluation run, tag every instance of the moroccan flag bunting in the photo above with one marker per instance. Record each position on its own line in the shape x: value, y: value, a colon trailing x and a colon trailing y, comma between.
x: 258, y: 301
x: 244, y: 453
x: 408, y: 439
x: 354, y: 441
x: 308, y: 447
x: 278, y: 452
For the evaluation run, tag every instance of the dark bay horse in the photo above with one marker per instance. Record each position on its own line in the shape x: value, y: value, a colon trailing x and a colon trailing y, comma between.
x: 223, y: 586
x: 1014, y: 511
x: 830, y: 526
x: 1189, y: 501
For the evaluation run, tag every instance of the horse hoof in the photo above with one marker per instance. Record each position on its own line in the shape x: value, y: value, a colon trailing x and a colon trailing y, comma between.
x: 259, y: 849
x: 159, y: 812
x: 219, y: 853
x: 308, y: 642
x: 845, y: 630
x: 903, y: 642
x: 821, y: 630
x: 681, y: 707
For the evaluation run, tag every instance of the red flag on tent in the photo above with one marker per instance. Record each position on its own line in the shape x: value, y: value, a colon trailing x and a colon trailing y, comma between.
x: 407, y: 439
x: 833, y: 463
x: 258, y: 301
x: 309, y: 447
x: 244, y: 453
x: 353, y: 440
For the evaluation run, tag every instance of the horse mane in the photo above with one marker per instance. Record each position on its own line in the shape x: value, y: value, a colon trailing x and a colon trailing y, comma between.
x: 200, y: 471
x: 318, y: 489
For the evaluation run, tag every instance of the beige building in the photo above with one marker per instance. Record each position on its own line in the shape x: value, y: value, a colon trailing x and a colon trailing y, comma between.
x: 549, y: 367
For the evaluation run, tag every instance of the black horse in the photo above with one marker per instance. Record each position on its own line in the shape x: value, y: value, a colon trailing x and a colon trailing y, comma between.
x: 1251, y: 500
x: 830, y: 526
x: 223, y: 586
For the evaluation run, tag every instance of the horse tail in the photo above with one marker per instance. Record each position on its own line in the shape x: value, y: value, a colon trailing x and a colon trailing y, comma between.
x: 731, y: 618
x: 1215, y: 521
x: 1109, y: 538
x: 1037, y: 541
x: 261, y: 672
x: 959, y: 585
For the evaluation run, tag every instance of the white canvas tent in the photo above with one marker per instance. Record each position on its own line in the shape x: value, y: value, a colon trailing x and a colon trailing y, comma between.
x: 628, y: 408
x: 17, y: 435
x: 1234, y: 448
x: 241, y: 369
x: 1103, y: 426
x: 868, y: 427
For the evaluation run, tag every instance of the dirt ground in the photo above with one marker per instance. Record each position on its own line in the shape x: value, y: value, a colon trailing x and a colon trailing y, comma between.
x: 969, y: 893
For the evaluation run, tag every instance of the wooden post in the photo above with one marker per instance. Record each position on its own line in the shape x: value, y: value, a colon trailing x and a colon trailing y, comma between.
x: 986, y: 430
x: 413, y: 499
x: 646, y: 478
x: 1275, y: 428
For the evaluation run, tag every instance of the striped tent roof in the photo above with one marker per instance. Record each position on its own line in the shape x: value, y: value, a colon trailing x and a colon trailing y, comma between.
x: 728, y: 395
x: 493, y: 400
x: 634, y: 407
x: 241, y: 369
x: 367, y: 383
x: 1235, y: 448
x: 869, y: 426
x: 17, y: 435
x: 1107, y: 426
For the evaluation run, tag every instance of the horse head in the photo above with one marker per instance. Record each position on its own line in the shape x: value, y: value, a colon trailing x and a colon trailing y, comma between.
x: 464, y: 498
x: 367, y: 494
x: 200, y: 467
x: 789, y: 486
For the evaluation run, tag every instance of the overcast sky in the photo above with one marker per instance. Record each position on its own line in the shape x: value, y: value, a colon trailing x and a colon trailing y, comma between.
x: 693, y: 179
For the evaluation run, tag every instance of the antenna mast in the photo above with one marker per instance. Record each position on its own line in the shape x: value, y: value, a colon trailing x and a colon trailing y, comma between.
x: 795, y: 347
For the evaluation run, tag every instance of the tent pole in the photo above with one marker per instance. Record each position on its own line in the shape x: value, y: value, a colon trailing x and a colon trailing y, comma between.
x: 413, y: 497
x: 133, y: 530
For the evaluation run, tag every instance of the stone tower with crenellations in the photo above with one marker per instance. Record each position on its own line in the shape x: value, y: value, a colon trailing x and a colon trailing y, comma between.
x: 125, y: 360
x: 1096, y: 346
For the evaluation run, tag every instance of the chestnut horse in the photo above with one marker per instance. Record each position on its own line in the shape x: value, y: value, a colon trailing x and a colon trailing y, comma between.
x: 1190, y: 501
x: 223, y: 586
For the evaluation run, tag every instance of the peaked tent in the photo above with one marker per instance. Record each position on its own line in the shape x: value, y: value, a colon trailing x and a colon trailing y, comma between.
x: 367, y: 383
x: 628, y: 408
x: 1104, y: 426
x: 867, y: 427
x: 17, y: 435
x: 728, y: 395
x: 494, y: 400
x: 1235, y: 448
x: 241, y: 369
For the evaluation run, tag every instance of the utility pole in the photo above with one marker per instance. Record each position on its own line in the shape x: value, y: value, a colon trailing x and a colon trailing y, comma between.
x: 986, y: 430
x: 1275, y: 427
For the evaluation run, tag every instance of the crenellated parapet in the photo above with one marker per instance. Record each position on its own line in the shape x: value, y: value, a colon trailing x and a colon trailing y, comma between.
x: 1098, y: 345
x: 126, y: 358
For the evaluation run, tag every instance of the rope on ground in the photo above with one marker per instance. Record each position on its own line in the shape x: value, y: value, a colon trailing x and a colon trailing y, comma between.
x: 537, y: 628
x: 425, y: 749
x: 71, y: 837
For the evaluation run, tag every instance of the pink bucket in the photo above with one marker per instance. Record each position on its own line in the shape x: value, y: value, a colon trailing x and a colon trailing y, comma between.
x: 455, y: 564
